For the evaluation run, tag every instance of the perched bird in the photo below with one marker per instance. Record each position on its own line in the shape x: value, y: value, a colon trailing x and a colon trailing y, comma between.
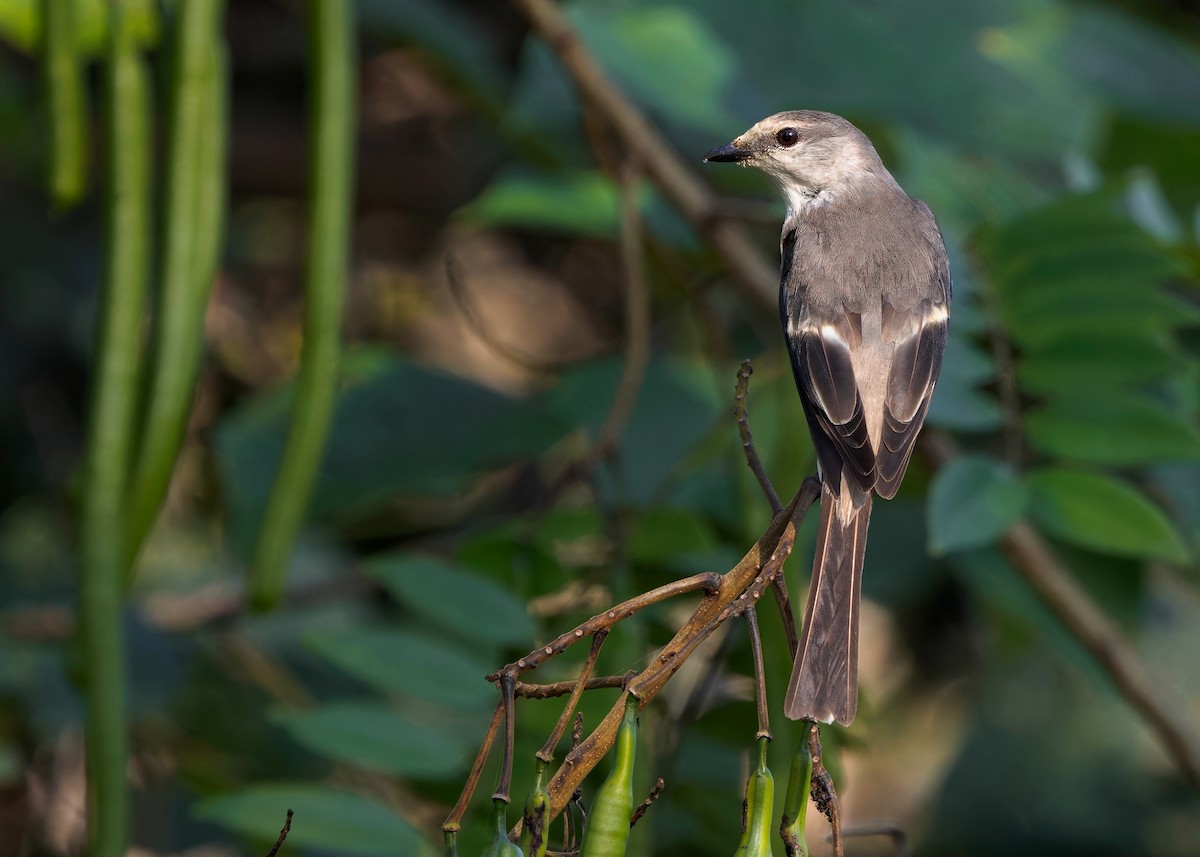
x: 865, y: 297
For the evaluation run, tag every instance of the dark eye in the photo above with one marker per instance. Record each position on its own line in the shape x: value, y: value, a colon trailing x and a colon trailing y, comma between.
x: 788, y: 137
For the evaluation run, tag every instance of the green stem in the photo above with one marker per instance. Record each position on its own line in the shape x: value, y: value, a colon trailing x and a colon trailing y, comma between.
x: 111, y: 420
x: 193, y: 201
x: 331, y: 30
x: 66, y: 102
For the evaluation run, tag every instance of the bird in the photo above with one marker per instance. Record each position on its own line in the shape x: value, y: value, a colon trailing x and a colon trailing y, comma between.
x: 864, y: 297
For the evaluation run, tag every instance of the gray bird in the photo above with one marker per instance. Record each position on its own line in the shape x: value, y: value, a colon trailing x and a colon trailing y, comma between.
x: 865, y: 297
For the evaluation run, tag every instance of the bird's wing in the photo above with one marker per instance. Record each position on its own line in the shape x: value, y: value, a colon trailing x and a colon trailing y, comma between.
x: 919, y: 339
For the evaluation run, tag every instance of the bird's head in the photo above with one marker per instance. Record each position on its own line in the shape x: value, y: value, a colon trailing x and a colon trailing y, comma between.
x: 812, y: 156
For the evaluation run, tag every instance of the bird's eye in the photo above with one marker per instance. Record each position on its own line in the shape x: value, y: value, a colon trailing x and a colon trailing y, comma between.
x: 788, y: 137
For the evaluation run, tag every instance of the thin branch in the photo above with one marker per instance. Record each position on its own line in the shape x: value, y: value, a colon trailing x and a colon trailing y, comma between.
x: 743, y: 423
x: 453, y: 822
x: 507, y: 685
x: 287, y: 826
x: 546, y: 754
x: 824, y: 795
x: 655, y: 791
x: 760, y: 677
x: 1054, y: 584
x: 707, y: 581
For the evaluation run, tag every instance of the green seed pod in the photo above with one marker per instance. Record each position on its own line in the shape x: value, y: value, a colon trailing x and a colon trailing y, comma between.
x: 533, y: 831
x: 608, y: 822
x: 795, y: 802
x: 500, y: 846
x: 760, y: 799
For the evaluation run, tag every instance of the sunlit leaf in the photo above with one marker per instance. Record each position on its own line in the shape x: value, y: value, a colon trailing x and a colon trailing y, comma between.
x: 374, y: 736
x: 325, y: 818
x: 455, y: 598
x: 1103, y: 514
x: 972, y: 501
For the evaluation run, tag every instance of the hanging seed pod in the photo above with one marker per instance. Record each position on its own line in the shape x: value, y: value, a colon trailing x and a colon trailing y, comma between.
x: 607, y: 829
x: 795, y: 801
x: 500, y: 846
x: 533, y: 831
x: 760, y: 798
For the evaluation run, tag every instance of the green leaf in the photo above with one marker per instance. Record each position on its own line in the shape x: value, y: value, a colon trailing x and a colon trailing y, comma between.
x: 1102, y: 514
x: 455, y: 599
x: 328, y: 819
x: 407, y: 662
x: 375, y: 736
x: 1097, y: 357
x: 972, y: 501
x: 1114, y: 429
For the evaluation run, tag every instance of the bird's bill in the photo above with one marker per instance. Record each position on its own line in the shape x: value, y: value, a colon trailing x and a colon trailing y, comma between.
x: 728, y: 153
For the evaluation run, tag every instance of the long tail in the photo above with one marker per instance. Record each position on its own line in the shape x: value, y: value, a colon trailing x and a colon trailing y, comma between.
x: 824, y: 684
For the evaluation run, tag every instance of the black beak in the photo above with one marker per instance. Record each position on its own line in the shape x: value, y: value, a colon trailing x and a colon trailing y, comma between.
x: 728, y: 153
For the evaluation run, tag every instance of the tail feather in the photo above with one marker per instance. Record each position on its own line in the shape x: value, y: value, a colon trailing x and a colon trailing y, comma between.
x: 824, y: 683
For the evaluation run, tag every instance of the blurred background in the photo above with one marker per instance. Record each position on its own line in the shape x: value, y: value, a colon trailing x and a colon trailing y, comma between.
x: 461, y: 514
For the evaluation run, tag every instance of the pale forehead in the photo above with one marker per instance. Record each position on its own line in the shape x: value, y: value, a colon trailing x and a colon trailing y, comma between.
x: 802, y: 120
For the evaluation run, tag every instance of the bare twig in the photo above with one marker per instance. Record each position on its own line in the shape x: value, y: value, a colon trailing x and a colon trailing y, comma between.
x: 655, y: 791
x: 743, y: 424
x: 707, y: 581
x: 507, y: 699
x: 760, y: 678
x: 287, y: 826
x: 824, y: 795
x: 1054, y: 584
x: 546, y: 754
x: 453, y: 822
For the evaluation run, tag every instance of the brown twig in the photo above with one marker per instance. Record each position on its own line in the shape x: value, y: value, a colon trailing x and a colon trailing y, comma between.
x: 546, y: 754
x: 562, y: 688
x: 287, y: 826
x: 1054, y: 584
x: 655, y: 791
x: 742, y: 416
x: 741, y: 391
x: 822, y: 791
x: 453, y: 822
x: 707, y: 581
x: 760, y: 676
x: 507, y: 699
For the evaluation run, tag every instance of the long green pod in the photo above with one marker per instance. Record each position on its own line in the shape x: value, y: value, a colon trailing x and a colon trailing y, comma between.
x: 331, y: 29
x: 500, y: 845
x: 760, y: 799
x: 533, y: 830
x: 110, y: 430
x: 66, y: 103
x: 194, y: 152
x: 795, y: 801
x: 607, y: 831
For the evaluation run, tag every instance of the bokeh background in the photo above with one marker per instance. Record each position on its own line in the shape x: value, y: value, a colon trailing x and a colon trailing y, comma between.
x: 460, y: 516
